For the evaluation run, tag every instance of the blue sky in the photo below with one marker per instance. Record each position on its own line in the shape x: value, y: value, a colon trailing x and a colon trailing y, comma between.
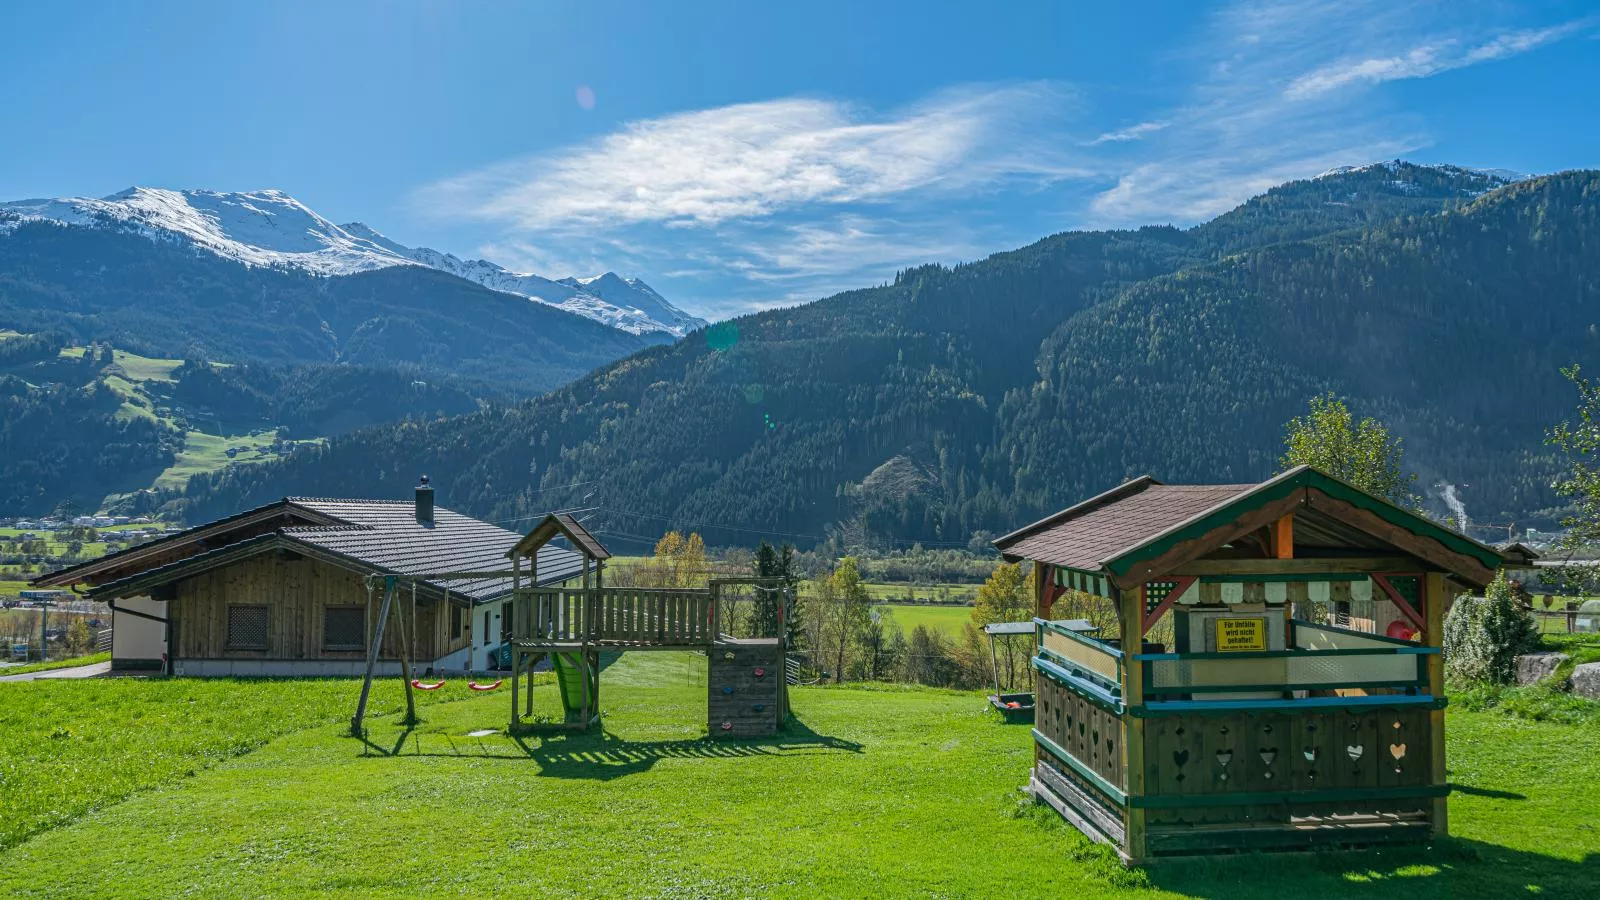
x: 741, y: 155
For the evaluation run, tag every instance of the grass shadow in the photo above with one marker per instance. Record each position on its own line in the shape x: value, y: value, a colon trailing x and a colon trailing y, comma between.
x: 1486, y: 792
x: 603, y: 756
x: 1450, y: 867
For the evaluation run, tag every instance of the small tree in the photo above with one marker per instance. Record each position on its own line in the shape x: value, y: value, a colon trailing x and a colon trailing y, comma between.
x: 79, y: 638
x: 838, y: 611
x: 1483, y: 636
x: 1006, y: 597
x: 1580, y: 441
x: 679, y: 562
x: 1362, y: 453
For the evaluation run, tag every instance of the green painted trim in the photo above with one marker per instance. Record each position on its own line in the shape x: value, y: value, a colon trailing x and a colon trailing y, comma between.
x: 1093, y: 777
x: 1099, y: 586
x: 1289, y: 654
x: 1229, y: 707
x: 1114, y: 687
x: 1253, y: 579
x: 1091, y: 643
x: 1380, y: 638
x: 1295, y: 686
x: 1176, y: 844
x: 1262, y: 798
x: 1109, y: 700
x: 1284, y: 485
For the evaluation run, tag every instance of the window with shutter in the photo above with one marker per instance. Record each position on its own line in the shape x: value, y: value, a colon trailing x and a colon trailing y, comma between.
x: 344, y: 628
x: 247, y: 628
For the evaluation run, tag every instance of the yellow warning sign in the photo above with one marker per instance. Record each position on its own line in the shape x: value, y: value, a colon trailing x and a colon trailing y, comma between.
x: 1241, y: 634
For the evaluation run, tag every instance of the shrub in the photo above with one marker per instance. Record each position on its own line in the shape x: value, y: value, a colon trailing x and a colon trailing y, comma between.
x: 1483, y: 636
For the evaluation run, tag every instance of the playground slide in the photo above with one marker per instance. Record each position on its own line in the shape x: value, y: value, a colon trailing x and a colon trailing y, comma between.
x: 569, y: 679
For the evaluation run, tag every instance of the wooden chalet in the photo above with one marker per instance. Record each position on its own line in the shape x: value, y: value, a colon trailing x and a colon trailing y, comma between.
x: 285, y: 589
x: 1267, y: 671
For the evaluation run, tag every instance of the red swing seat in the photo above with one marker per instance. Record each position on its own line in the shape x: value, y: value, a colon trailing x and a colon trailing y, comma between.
x: 423, y: 686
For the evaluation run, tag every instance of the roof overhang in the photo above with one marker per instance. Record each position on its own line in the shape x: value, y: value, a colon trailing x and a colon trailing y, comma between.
x: 1300, y: 488
x: 560, y: 524
x: 96, y: 571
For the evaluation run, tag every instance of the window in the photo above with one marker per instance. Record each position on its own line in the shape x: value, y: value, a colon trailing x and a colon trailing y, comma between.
x: 344, y: 628
x: 486, y: 628
x: 455, y: 619
x: 247, y: 628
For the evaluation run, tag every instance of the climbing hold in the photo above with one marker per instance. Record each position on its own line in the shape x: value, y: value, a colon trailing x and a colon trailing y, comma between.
x: 727, y: 726
x: 728, y: 689
x: 760, y: 672
x: 759, y: 707
x: 728, y: 656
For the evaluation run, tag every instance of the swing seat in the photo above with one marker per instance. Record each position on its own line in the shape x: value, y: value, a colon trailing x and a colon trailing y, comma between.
x: 424, y: 686
x: 473, y: 685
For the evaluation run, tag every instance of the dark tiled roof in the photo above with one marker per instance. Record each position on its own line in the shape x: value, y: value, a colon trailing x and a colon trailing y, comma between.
x: 1084, y: 536
x: 386, y: 535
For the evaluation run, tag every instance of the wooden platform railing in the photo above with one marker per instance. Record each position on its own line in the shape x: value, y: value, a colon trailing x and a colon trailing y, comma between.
x: 622, y: 615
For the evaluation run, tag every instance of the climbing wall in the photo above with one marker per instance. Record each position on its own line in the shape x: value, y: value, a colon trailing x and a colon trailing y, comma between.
x: 748, y: 696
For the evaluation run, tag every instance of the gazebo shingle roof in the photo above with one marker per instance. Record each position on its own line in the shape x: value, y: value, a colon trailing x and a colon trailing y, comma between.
x: 1084, y: 536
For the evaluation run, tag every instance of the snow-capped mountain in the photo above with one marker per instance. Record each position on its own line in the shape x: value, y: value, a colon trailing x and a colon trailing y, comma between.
x: 271, y: 228
x: 258, y: 228
x: 1487, y: 179
x: 625, y: 303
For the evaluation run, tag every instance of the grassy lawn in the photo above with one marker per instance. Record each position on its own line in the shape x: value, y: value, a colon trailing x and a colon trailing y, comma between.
x: 900, y: 592
x: 70, y: 747
x: 874, y: 792
x: 947, y: 619
x: 89, y: 660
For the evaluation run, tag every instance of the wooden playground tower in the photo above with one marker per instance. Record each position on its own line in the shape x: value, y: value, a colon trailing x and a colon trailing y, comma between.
x: 1269, y: 675
x: 747, y: 694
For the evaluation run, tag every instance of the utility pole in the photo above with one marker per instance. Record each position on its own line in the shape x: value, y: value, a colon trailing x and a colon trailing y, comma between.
x: 44, y: 619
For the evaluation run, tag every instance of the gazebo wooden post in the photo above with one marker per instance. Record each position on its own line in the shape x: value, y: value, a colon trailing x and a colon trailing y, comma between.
x: 1433, y: 602
x: 1130, y: 610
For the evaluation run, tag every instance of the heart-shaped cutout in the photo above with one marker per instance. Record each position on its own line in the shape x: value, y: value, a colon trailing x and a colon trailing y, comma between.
x: 1180, y: 757
x: 1398, y: 751
x: 1311, y: 753
x: 1269, y: 755
x: 1224, y: 757
x: 1355, y: 751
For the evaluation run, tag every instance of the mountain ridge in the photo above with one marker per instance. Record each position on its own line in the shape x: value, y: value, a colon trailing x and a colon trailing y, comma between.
x: 270, y: 228
x: 990, y: 377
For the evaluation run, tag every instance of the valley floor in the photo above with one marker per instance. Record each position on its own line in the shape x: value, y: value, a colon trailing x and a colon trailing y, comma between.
x: 873, y: 792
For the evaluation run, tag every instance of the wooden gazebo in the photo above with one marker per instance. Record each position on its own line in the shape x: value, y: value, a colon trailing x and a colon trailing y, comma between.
x: 1270, y: 677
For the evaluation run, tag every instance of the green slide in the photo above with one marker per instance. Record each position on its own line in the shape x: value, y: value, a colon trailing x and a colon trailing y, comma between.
x: 570, y: 679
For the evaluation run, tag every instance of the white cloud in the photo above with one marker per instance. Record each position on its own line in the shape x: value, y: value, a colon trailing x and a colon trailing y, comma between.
x: 756, y: 159
x: 1280, y: 97
x: 1131, y: 133
x: 1425, y: 60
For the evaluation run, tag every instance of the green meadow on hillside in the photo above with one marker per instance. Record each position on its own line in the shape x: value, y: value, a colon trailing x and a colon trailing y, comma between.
x: 250, y: 788
x: 946, y: 619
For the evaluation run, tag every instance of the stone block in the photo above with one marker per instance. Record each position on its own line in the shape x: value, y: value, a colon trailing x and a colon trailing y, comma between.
x: 1538, y: 666
x: 1586, y: 680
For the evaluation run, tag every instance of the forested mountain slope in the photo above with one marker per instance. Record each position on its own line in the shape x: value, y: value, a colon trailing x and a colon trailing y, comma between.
x: 94, y: 426
x: 955, y: 400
